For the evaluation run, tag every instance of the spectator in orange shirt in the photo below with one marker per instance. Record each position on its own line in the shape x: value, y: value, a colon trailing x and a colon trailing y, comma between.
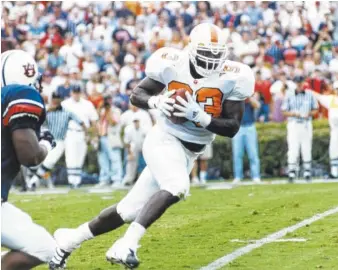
x: 262, y: 87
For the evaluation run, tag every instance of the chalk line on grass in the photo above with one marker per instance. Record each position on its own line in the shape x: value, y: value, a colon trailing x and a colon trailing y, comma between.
x: 268, y: 239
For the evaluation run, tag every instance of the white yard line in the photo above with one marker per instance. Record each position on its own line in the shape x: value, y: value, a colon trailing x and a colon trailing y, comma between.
x: 277, y: 240
x: 268, y: 239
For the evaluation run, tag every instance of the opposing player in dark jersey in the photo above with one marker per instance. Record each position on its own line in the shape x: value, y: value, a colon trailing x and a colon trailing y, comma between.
x: 22, y: 143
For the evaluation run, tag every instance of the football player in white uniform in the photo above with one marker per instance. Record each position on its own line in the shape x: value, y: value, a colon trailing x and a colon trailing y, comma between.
x: 215, y: 92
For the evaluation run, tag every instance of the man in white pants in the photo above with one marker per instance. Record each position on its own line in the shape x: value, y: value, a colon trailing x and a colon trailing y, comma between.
x: 299, y: 107
x: 57, y: 120
x: 330, y: 102
x: 75, y: 143
x: 134, y: 136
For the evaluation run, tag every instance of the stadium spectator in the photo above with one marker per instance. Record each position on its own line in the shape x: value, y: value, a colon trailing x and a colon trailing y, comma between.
x: 105, y: 156
x: 134, y: 135
x: 91, y: 43
x: 262, y: 88
x: 246, y: 139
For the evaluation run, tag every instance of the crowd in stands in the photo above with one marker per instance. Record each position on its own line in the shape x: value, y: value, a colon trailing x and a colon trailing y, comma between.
x: 102, y: 47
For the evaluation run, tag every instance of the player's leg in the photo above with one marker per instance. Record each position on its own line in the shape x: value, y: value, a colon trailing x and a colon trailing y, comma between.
x: 109, y: 219
x: 76, y: 150
x: 252, y: 150
x: 306, y: 149
x: 32, y: 245
x: 334, y: 152
x: 237, y: 154
x: 293, y: 149
x: 170, y: 164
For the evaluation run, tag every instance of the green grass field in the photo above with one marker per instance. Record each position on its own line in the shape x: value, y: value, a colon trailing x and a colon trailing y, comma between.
x: 198, y: 231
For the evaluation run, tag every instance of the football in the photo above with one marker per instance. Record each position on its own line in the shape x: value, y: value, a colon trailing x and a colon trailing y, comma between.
x: 175, y: 119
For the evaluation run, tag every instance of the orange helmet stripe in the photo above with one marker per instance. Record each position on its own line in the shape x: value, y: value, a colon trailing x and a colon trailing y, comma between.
x: 213, y: 34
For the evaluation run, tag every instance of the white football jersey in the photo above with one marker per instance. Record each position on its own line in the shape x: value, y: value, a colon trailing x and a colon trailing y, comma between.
x: 171, y: 67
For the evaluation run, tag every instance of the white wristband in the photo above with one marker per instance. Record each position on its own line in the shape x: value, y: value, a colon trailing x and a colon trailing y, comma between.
x: 205, y: 119
x: 152, y: 102
x: 46, y: 144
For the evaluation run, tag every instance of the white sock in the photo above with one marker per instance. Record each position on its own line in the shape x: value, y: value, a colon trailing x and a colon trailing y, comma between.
x: 203, y: 175
x: 134, y: 233
x: 84, y: 233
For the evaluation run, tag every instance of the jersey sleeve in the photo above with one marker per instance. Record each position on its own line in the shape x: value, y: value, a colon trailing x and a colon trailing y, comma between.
x: 245, y: 84
x: 24, y: 109
x: 160, y: 63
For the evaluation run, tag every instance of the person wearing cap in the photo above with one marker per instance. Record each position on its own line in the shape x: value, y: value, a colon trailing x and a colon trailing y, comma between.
x: 57, y: 120
x: 75, y: 142
x: 330, y: 102
x: 299, y: 108
x: 134, y: 135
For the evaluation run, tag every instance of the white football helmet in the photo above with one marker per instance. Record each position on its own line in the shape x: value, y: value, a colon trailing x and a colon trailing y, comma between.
x: 207, y: 49
x: 18, y: 67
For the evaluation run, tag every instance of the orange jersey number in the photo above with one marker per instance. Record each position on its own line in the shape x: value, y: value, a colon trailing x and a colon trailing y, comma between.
x: 212, y: 97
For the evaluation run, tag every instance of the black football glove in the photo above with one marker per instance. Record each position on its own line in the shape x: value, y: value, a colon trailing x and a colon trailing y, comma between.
x: 46, y: 135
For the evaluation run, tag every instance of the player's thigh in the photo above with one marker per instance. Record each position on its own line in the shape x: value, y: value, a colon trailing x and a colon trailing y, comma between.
x: 54, y: 155
x: 146, y: 186
x: 19, y: 232
x: 168, y: 161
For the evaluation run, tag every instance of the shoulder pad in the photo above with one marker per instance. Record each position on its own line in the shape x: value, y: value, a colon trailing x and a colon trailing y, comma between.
x: 160, y: 61
x: 244, y: 78
x: 22, y: 101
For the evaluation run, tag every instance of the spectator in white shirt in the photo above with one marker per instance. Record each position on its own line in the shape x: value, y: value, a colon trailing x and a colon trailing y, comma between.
x: 127, y: 72
x: 71, y: 52
x: 247, y: 50
x: 134, y: 136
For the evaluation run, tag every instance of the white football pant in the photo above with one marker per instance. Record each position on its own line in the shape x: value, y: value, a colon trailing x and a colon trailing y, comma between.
x: 75, y: 151
x: 299, y: 137
x: 169, y: 164
x: 19, y: 232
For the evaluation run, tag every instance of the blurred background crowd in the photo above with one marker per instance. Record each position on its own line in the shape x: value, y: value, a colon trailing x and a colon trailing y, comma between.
x: 102, y: 47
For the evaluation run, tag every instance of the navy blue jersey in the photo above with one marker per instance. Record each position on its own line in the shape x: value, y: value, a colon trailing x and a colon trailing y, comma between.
x: 21, y: 107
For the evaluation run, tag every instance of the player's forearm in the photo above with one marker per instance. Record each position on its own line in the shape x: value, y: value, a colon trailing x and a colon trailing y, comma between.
x: 224, y: 127
x: 144, y: 91
x: 140, y: 98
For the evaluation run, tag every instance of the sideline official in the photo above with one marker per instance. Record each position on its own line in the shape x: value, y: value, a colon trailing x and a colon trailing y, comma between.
x: 299, y: 108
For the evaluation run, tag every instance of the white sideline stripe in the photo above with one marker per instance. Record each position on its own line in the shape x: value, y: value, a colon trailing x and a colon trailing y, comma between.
x: 268, y: 239
x: 277, y: 240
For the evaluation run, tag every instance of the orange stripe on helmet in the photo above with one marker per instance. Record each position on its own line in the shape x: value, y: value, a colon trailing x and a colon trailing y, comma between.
x: 213, y: 34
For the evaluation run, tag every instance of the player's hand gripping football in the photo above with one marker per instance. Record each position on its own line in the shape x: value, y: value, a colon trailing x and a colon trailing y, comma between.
x: 46, y: 138
x: 191, y: 110
x: 163, y: 102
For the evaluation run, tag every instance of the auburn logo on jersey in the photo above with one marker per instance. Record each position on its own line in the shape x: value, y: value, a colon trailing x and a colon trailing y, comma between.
x: 29, y: 70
